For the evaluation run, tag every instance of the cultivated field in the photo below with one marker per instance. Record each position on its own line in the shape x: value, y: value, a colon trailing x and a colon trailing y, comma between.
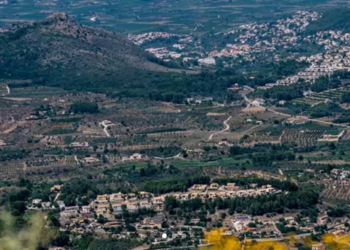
x: 176, y: 16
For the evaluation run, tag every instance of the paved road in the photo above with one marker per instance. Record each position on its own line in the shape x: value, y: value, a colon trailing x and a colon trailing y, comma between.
x: 227, y: 128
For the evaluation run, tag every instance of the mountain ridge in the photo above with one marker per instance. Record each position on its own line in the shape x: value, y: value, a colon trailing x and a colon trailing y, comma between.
x: 59, y: 49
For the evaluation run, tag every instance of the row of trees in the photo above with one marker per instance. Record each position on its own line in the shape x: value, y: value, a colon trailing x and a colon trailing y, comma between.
x: 84, y: 107
x: 7, y: 155
x: 296, y: 90
x: 283, y: 185
x: 265, y: 154
x: 173, y: 185
x: 301, y: 199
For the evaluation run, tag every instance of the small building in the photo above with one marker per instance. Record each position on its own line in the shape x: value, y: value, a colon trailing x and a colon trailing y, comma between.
x: 198, y: 187
x: 46, y: 205
x: 32, y: 117
x: 231, y: 187
x: 318, y: 246
x: 214, y: 186
x: 36, y: 202
x: 158, y: 203
x: 234, y: 89
x: 70, y: 211
x: 61, y: 205
x: 131, y: 197
x: 102, y: 209
x: 209, y: 61
x: 308, y: 93
x: 102, y: 199
x: 258, y: 102
x: 91, y: 160
x: 118, y: 197
x: 56, y: 188
x: 153, y: 221
x: 238, y: 226
x: 145, y: 204
x: 117, y: 208
x: 144, y: 195
x: 242, y: 219
x: 331, y: 136
x: 282, y: 102
x: 86, y: 210
x: 135, y: 157
x: 322, y: 220
x: 132, y: 206
x: 289, y: 219
x: 225, y: 143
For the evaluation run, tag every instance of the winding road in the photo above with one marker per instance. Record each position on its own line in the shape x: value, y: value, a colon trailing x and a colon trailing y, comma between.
x: 227, y: 128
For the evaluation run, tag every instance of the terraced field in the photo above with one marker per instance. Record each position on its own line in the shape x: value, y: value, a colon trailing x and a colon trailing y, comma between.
x: 302, y: 138
x: 263, y: 138
x: 339, y: 189
x: 332, y: 95
x: 3, y: 90
x: 45, y: 165
x: 13, y: 169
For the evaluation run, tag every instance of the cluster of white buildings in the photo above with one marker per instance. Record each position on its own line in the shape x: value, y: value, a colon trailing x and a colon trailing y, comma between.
x: 336, y: 57
x: 134, y: 157
x: 108, y: 205
x: 266, y: 37
x: 251, y: 40
x: 340, y: 174
x: 163, y: 53
x: 114, y: 203
x: 150, y: 36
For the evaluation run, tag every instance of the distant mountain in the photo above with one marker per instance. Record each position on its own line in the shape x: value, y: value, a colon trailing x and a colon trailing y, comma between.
x: 335, y: 19
x: 61, y: 52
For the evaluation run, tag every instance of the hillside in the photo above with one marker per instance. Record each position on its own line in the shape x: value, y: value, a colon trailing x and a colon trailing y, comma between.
x: 63, y: 53
x: 334, y: 19
x: 59, y: 52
